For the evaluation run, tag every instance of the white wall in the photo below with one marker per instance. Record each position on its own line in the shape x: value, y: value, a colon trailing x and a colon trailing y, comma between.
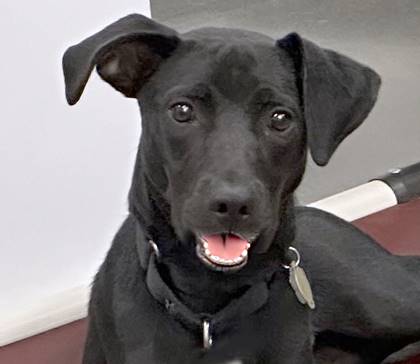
x: 64, y: 171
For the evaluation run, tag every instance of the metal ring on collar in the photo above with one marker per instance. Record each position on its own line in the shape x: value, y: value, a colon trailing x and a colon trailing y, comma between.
x: 155, y: 248
x: 297, y: 261
x: 207, y: 339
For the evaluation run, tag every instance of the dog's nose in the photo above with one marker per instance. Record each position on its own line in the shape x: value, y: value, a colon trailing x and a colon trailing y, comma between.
x: 232, y: 202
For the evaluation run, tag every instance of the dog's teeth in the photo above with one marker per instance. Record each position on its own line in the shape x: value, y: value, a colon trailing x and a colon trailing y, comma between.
x: 244, y: 253
x: 238, y: 259
x: 248, y: 245
x: 205, y: 244
x: 215, y: 258
x: 207, y: 252
x: 231, y: 261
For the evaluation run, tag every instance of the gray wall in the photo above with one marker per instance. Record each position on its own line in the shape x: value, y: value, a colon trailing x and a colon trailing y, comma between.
x: 383, y: 34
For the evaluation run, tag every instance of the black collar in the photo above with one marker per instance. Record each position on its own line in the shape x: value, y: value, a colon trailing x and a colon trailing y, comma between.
x: 252, y: 300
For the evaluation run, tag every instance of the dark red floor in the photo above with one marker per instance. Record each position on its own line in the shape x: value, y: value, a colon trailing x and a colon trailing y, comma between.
x: 63, y: 345
x: 396, y: 228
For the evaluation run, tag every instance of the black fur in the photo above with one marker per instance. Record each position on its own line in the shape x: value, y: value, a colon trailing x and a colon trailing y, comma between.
x: 230, y: 155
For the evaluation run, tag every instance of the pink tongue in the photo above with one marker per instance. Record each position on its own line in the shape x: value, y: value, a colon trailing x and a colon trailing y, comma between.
x: 231, y: 248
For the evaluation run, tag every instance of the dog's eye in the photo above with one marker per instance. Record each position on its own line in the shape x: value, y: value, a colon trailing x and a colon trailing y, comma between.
x: 182, y: 112
x: 280, y: 120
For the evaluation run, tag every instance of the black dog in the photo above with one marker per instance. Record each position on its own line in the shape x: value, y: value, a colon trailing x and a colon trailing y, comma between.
x: 197, y: 273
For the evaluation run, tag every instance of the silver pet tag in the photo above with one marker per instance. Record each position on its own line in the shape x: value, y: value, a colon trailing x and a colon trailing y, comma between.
x: 301, y: 286
x: 299, y: 282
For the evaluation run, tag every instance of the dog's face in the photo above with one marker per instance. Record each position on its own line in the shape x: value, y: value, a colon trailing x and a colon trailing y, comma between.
x: 226, y: 118
x: 229, y: 138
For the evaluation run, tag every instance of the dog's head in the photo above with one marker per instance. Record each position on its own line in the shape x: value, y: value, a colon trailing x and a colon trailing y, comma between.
x: 227, y: 116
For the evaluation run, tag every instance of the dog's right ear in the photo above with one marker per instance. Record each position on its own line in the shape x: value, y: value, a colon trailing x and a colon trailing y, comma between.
x: 126, y: 53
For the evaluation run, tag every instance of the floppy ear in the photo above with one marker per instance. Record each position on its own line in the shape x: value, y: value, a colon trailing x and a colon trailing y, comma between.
x: 337, y: 94
x: 125, y: 53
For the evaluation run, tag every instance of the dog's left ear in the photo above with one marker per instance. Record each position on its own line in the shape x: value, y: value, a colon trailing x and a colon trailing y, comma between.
x: 337, y: 93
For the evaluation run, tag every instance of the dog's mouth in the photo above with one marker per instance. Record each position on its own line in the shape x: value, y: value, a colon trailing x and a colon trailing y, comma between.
x: 224, y: 251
